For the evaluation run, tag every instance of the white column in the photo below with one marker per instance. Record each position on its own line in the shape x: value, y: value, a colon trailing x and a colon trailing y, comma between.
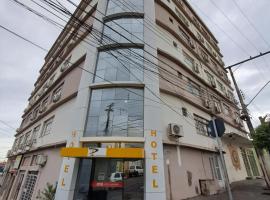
x: 154, y: 165
x: 69, y: 168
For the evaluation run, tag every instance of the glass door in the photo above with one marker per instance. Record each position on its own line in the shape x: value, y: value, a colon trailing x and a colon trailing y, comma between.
x: 110, y: 179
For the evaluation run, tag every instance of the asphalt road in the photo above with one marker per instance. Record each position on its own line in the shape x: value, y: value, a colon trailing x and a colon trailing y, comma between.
x: 242, y: 190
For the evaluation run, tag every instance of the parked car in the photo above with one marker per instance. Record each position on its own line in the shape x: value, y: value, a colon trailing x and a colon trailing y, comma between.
x: 135, y: 170
x: 116, y: 176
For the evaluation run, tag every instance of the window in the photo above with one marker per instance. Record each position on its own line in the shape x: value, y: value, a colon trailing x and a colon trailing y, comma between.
x: 35, y: 133
x: 29, y: 185
x: 112, y: 66
x: 57, y: 94
x: 193, y: 88
x: 210, y: 78
x: 183, y: 35
x: 188, y: 60
x: 226, y: 109
x: 133, y: 31
x: 28, y: 138
x: 221, y: 87
x: 35, y: 112
x: 204, y: 56
x: 44, y: 105
x: 34, y: 160
x: 182, y: 18
x: 214, y: 163
x: 201, y: 125
x: 171, y: 20
x: 115, y: 112
x: 118, y: 6
x: 47, y: 127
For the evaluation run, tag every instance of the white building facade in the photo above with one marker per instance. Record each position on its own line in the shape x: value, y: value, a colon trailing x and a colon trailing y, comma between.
x: 121, y: 107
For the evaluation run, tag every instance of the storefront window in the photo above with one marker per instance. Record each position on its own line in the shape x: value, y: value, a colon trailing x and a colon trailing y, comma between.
x: 110, y: 179
x: 130, y: 28
x: 115, y: 112
x: 118, y: 6
x: 120, y: 65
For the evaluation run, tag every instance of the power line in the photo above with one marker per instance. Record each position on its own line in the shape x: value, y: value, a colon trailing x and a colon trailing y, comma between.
x: 176, y: 111
x: 3, y: 122
x: 258, y: 92
x: 22, y: 38
x: 251, y: 24
x: 237, y: 28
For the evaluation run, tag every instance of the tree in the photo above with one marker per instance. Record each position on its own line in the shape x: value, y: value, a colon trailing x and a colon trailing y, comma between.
x: 48, y: 193
x: 261, y: 138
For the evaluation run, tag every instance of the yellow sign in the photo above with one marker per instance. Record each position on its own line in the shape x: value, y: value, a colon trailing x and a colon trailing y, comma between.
x: 102, y: 152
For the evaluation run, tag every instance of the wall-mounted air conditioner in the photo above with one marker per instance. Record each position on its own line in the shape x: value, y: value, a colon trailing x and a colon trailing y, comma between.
x: 41, y: 160
x: 176, y: 130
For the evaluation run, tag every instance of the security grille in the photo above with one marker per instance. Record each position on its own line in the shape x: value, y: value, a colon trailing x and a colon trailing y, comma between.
x: 29, y: 186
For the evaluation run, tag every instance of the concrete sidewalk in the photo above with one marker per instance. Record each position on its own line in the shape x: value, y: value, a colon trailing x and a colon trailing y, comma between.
x: 242, y: 190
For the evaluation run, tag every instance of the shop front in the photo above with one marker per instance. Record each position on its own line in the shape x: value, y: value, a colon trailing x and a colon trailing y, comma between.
x: 109, y: 173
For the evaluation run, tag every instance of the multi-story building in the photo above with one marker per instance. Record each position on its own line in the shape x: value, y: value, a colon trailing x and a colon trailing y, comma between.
x: 129, y: 88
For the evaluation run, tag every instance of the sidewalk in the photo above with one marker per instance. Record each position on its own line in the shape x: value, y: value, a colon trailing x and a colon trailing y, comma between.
x: 242, y: 190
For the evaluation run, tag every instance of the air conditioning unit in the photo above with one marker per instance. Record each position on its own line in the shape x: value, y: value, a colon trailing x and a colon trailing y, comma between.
x: 176, y: 130
x: 27, y: 148
x: 206, y: 103
x: 196, y: 68
x: 56, y: 97
x: 41, y: 160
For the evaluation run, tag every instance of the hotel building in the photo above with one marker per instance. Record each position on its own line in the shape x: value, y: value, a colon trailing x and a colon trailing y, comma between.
x: 121, y: 107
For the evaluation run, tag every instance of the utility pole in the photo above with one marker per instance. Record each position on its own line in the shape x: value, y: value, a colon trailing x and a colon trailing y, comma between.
x: 245, y: 116
x: 109, y: 110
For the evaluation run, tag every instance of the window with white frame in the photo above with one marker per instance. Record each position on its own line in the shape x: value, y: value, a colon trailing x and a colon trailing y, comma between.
x: 47, y: 127
x: 193, y: 88
x: 201, y: 125
x: 226, y: 109
x: 188, y: 60
x: 35, y: 133
x: 214, y: 163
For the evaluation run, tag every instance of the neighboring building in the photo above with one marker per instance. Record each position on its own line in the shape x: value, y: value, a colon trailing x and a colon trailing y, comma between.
x: 138, y: 128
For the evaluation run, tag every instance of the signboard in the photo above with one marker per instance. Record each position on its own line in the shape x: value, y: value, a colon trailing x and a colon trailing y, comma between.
x: 85, y: 152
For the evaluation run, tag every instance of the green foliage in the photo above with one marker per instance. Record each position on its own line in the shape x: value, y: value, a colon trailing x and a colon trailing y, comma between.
x: 48, y: 193
x: 261, y: 138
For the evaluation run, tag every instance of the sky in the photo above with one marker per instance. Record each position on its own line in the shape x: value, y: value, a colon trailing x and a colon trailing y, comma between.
x: 238, y: 39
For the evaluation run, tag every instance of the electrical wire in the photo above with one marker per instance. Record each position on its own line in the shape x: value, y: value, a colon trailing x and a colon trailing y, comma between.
x: 258, y: 92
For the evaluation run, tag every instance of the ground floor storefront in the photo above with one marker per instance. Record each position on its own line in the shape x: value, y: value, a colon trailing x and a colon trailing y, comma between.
x: 110, y: 179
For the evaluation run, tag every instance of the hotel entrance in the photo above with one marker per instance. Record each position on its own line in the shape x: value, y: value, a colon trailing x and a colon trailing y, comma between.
x: 110, y: 179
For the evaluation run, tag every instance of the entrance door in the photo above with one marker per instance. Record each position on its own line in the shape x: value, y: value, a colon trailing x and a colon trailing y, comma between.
x: 110, y: 179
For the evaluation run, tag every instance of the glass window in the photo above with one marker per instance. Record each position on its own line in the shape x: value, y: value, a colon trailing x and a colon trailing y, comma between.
x: 120, y: 65
x: 47, y: 127
x: 35, y: 133
x: 193, y: 88
x: 109, y: 179
x: 226, y: 109
x: 118, y: 6
x: 201, y: 125
x: 188, y: 60
x: 132, y: 30
x: 116, y: 112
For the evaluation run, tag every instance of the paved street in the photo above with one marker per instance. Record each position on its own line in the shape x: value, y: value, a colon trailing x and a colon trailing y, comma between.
x: 243, y: 190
